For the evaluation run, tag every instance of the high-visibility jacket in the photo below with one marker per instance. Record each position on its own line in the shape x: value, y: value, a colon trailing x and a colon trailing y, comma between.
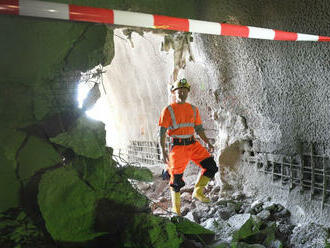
x: 180, y: 120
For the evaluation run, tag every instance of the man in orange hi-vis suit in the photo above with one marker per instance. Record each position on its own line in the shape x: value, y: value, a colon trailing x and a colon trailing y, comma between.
x: 180, y: 120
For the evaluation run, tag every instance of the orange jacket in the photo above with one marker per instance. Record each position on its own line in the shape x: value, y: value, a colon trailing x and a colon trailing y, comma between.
x: 180, y: 119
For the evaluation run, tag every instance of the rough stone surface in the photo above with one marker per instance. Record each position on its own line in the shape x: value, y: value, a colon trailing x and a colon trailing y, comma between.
x: 35, y: 155
x: 309, y: 235
x: 264, y: 214
x: 238, y: 220
x: 67, y: 208
x: 87, y: 138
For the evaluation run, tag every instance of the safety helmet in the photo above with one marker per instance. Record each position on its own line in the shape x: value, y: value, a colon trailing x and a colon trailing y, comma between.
x: 182, y: 83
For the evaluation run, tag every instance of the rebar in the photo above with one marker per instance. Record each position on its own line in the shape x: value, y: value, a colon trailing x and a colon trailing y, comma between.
x: 310, y: 171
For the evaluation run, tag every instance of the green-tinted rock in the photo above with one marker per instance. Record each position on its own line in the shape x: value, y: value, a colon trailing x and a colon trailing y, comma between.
x: 249, y: 228
x: 152, y: 232
x: 13, y: 139
x: 137, y: 173
x: 15, y: 102
x: 52, y: 98
x: 46, y: 45
x: 9, y: 184
x: 52, y: 52
x: 193, y: 230
x: 103, y: 175
x: 87, y: 138
x: 67, y: 205
x: 35, y: 155
x: 89, y: 50
x: 269, y: 232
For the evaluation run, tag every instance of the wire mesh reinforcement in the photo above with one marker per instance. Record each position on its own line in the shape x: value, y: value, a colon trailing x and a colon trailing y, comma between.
x: 147, y: 152
x: 144, y: 152
x: 309, y: 170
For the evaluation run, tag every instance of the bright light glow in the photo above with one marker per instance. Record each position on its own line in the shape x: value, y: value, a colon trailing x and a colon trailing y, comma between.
x: 99, y: 110
x: 83, y: 89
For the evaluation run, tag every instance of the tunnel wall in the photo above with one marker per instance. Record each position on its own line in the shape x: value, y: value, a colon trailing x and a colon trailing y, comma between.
x: 274, y: 93
x: 280, y: 88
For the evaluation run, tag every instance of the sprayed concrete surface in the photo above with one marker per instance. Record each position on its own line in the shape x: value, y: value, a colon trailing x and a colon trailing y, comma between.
x: 273, y: 93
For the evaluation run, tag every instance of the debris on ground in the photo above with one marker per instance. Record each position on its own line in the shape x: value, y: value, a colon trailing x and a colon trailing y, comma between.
x: 236, y: 220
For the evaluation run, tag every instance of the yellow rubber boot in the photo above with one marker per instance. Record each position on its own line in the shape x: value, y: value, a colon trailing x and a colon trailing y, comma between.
x: 199, y: 189
x: 176, y: 202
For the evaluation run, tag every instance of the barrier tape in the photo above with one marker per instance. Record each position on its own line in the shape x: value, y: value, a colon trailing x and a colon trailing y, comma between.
x: 99, y: 15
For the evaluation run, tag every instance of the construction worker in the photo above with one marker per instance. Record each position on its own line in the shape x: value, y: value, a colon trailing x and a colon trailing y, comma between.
x: 180, y: 120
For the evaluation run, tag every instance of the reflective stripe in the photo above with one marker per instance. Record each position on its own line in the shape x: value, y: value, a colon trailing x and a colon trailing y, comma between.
x: 182, y: 136
x: 182, y: 125
x: 175, y: 125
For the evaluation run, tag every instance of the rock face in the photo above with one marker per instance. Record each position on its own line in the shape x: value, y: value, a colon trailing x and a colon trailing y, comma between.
x: 54, y: 165
x: 266, y: 82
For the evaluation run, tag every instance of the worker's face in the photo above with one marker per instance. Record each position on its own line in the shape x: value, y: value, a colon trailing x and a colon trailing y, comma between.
x: 181, y: 94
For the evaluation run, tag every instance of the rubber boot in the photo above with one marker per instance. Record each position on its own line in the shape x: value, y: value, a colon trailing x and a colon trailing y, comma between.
x: 199, y: 189
x: 176, y: 202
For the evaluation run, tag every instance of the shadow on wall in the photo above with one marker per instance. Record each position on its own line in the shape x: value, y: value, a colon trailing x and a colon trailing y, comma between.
x: 229, y: 163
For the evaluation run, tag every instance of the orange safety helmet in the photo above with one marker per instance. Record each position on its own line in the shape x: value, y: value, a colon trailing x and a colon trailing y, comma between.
x: 182, y: 83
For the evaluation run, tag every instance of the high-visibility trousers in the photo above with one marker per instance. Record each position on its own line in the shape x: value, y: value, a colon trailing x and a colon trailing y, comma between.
x: 180, y: 155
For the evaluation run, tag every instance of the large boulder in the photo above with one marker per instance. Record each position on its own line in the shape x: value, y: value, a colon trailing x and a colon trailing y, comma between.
x: 67, y: 205
x: 87, y: 199
x: 86, y: 138
x: 35, y: 155
x: 105, y: 179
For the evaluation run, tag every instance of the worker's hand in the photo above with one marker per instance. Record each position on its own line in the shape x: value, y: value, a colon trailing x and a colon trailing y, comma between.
x: 210, y: 148
x: 165, y: 157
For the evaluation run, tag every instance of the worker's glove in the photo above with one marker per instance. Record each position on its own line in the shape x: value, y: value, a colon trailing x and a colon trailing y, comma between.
x: 165, y: 175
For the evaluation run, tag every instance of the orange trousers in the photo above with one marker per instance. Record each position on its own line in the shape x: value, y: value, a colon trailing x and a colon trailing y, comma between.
x: 180, y: 156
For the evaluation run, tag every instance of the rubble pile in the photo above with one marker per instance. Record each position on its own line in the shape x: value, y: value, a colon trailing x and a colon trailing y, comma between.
x: 237, y: 220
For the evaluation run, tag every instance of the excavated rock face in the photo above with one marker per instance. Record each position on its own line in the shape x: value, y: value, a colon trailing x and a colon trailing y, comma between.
x: 280, y: 88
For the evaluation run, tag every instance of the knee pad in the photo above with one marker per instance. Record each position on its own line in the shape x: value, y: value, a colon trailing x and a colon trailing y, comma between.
x: 210, y: 166
x: 178, y: 183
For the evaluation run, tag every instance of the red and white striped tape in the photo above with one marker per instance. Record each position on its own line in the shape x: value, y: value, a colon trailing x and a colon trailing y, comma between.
x: 118, y: 17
